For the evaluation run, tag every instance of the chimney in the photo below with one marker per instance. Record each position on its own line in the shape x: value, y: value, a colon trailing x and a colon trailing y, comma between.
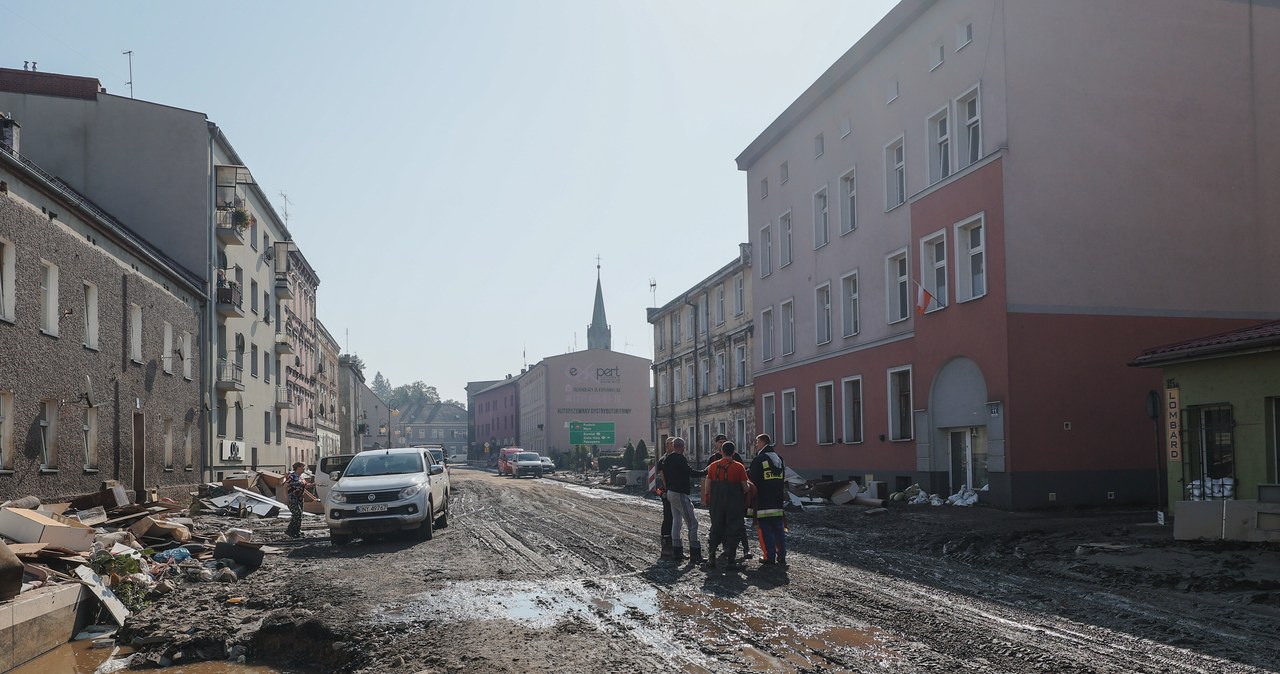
x: 10, y: 132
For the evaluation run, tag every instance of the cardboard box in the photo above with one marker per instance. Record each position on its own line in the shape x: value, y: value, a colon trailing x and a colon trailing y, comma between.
x: 109, y: 499
x: 29, y: 526
x: 158, y: 528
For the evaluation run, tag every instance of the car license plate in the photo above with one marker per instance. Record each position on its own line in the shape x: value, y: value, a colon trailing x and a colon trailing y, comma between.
x: 375, y: 508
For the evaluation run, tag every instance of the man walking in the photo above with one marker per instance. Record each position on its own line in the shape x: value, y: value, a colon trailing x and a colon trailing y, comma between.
x: 677, y: 476
x: 768, y: 473
x: 667, y: 551
x: 725, y: 490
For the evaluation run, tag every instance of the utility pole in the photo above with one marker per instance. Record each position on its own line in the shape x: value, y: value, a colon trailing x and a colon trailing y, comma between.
x: 129, y: 53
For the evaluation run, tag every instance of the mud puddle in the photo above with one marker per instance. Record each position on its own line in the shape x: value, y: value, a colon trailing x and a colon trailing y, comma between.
x: 536, y: 605
x: 80, y: 657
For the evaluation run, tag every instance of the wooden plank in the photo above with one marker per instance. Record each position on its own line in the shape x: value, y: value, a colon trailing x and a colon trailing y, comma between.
x: 28, y: 549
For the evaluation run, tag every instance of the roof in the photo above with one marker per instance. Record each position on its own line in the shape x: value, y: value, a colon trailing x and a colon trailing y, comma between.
x: 429, y: 413
x: 718, y: 275
x: 1261, y: 337
x: 42, y: 83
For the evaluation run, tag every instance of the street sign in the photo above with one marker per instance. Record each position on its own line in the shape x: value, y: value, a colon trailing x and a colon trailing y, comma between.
x: 591, y: 433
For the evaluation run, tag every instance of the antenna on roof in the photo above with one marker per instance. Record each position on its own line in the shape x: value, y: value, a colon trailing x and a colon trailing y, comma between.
x: 129, y: 53
x: 285, y: 197
x: 653, y: 290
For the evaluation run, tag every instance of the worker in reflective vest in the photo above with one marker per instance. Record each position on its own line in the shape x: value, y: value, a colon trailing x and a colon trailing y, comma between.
x: 768, y: 474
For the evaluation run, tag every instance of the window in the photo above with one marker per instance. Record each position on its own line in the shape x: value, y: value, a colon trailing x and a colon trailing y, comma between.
x: 849, y: 304
x: 891, y: 92
x: 740, y: 435
x: 788, y: 328
x: 969, y: 110
x: 49, y: 298
x: 818, y: 146
x: 6, y: 430
x: 675, y: 328
x: 706, y: 375
x: 895, y: 163
x: 739, y: 294
x: 964, y: 35
x: 7, y: 295
x: 937, y: 54
x: 692, y: 374
x: 764, y: 188
x: 766, y: 335
x: 821, y: 234
x: 849, y: 202
x: 166, y: 356
x: 689, y: 327
x: 266, y: 307
x: 253, y: 360
x: 897, y: 282
x: 168, y: 444
x: 279, y: 429
x: 900, y: 421
x: 662, y: 388
x: 49, y: 435
x: 266, y: 366
x: 266, y: 427
x: 239, y: 422
x: 789, y: 417
x: 971, y: 274
x: 784, y: 172
x: 253, y: 243
x: 704, y: 315
x: 222, y: 419
x: 89, y: 433
x: 187, y: 448
x: 846, y: 127
x: 826, y: 410
x: 851, y: 408
x: 90, y: 315
x: 135, y: 333
x: 721, y: 371
x: 660, y: 331
x: 676, y: 379
x: 187, y: 356
x: 766, y: 246
x: 740, y: 360
x: 769, y: 414
x: 253, y: 295
x: 933, y: 260
x: 720, y: 305
x: 822, y: 313
x: 939, y: 145
x: 784, y: 224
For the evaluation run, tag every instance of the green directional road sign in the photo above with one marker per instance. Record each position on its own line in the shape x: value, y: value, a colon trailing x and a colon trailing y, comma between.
x: 591, y: 433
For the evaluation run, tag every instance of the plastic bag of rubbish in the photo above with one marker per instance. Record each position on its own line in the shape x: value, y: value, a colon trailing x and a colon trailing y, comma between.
x: 918, y: 499
x: 176, y: 554
x: 141, y: 579
x: 964, y: 497
x: 935, y: 500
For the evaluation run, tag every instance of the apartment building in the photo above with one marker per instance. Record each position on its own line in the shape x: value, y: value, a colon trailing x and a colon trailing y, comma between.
x: 966, y: 227
x: 298, y: 303
x: 702, y: 369
x: 351, y: 417
x: 475, y: 444
x: 328, y: 424
x: 100, y: 339
x: 440, y: 423
x: 497, y: 416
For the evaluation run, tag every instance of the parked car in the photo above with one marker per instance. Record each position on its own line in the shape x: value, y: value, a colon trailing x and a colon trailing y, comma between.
x: 506, y: 460
x: 389, y: 490
x: 527, y: 463
x: 437, y: 454
x: 548, y: 466
x: 325, y: 471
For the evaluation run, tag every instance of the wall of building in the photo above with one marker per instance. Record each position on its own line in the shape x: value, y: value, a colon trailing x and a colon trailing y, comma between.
x: 600, y: 386
x: 497, y: 416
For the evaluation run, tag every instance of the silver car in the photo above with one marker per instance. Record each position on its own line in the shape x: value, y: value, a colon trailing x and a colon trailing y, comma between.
x: 389, y: 490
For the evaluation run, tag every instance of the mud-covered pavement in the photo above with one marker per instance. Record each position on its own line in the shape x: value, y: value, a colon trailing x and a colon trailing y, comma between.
x: 541, y: 575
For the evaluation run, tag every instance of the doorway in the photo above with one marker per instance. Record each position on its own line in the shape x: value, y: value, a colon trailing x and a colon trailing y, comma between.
x: 968, y: 457
x: 139, y: 458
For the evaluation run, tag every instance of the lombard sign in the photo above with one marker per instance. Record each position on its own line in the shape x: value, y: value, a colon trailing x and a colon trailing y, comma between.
x: 1173, y: 423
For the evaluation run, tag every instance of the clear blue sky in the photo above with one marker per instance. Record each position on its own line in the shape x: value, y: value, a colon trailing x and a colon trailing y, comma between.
x: 454, y: 168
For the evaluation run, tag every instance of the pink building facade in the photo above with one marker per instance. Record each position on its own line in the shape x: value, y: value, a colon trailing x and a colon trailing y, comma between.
x: 497, y: 417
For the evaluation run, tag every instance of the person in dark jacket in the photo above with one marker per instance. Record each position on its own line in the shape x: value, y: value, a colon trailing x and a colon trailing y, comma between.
x: 297, y: 491
x: 725, y: 491
x: 719, y: 441
x: 677, y: 475
x: 665, y: 531
x: 768, y: 474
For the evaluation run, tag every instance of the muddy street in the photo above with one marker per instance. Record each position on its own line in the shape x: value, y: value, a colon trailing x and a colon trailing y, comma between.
x: 544, y: 575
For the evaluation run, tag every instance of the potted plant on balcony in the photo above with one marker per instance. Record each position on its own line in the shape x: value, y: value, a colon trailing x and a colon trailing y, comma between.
x: 240, y: 219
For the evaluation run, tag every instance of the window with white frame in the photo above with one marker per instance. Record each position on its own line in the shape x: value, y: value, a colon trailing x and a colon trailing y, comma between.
x: 167, y: 355
x: 849, y: 309
x: 48, y: 434
x: 901, y: 425
x: 689, y: 327
x: 895, y: 166
x: 49, y: 298
x: 789, y: 417
x: 90, y: 315
x: 940, y: 145
x: 253, y: 295
x: 266, y: 366
x: 689, y: 380
x: 662, y: 388
x: 706, y: 375
x: 740, y: 364
x: 764, y: 188
x: 898, y: 285
x: 891, y: 92
x: 784, y: 173
x: 821, y: 231
x: 660, y: 331
x: 822, y: 313
x: 766, y: 335
x: 848, y: 202
x: 740, y: 435
x: 7, y: 294
x: 168, y: 444
x: 739, y: 294
x: 675, y: 378
x: 964, y: 35
x: 721, y: 371
x: 766, y: 247
x: 253, y: 360
x: 720, y: 305
x: 788, y: 327
x: 969, y: 109
x: 826, y: 413
x: 933, y: 261
x: 818, y: 146
x: 971, y: 259
x: 851, y: 409
x: 784, y: 225
x: 6, y: 430
x: 937, y: 54
x: 675, y: 329
x: 135, y: 333
x: 769, y: 415
x: 846, y: 126
x: 187, y: 357
x: 704, y: 314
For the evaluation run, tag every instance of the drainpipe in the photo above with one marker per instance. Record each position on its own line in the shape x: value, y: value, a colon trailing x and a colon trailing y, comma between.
x: 210, y: 325
x: 697, y: 422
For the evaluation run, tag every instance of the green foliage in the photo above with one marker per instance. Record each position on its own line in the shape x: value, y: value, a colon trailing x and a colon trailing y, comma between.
x: 133, y: 595
x: 381, y: 386
x: 628, y: 456
x: 417, y: 393
x: 642, y: 456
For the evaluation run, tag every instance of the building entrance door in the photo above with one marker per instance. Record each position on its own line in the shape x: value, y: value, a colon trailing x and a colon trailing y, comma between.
x: 968, y: 457
x: 139, y: 458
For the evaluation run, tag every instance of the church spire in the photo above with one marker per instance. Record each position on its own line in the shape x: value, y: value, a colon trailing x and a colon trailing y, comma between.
x: 599, y: 335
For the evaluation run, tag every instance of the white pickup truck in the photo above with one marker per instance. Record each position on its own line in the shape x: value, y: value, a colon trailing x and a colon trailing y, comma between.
x: 388, y: 490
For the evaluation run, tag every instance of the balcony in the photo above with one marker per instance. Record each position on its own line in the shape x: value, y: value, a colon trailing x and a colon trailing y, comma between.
x: 229, y: 232
x: 284, y: 344
x: 283, y: 291
x: 230, y: 301
x: 230, y: 375
x: 284, y: 398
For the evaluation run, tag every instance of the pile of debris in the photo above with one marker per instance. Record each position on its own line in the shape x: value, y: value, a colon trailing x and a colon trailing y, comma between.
x: 914, y: 495
x: 873, y: 494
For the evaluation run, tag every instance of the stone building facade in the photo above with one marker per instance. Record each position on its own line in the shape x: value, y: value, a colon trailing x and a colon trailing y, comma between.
x: 298, y: 310
x: 351, y: 421
x: 443, y: 424
x: 328, y: 428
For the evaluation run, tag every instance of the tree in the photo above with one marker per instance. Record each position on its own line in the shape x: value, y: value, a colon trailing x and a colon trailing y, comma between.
x: 642, y: 456
x: 417, y: 393
x: 381, y: 387
x: 629, y: 456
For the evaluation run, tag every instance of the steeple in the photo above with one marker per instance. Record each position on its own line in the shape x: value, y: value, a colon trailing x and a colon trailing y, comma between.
x: 598, y: 333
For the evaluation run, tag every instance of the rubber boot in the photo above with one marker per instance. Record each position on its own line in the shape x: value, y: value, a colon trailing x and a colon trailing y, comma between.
x: 695, y: 557
x: 677, y: 554
x: 667, y: 550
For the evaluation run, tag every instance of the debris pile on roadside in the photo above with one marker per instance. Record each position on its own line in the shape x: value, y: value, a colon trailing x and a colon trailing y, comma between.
x: 874, y: 494
x: 914, y: 495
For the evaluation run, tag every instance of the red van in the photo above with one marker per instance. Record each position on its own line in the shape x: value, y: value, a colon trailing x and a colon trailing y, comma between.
x: 507, y: 460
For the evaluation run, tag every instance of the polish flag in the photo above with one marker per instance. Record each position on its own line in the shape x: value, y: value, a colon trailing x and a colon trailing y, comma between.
x: 923, y: 299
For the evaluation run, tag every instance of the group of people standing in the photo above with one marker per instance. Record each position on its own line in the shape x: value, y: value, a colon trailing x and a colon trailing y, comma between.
x: 731, y: 491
